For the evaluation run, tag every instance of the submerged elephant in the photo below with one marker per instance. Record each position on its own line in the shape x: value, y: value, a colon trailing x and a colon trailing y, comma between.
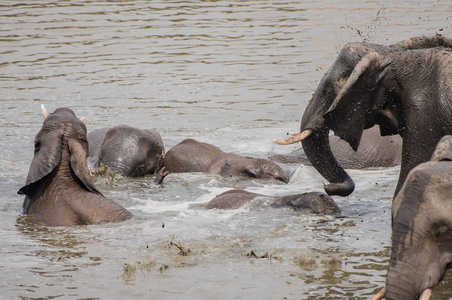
x: 373, y: 151
x: 317, y: 203
x: 422, y: 228
x: 405, y: 88
x: 128, y: 150
x: 193, y: 156
x: 59, y: 190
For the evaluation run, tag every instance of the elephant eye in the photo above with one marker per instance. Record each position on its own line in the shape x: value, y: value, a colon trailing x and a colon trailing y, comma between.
x: 139, y: 171
x: 37, y: 146
x: 443, y: 233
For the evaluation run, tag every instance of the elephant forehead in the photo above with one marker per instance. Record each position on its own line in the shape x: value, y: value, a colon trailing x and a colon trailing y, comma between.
x: 62, y: 114
x: 426, y: 181
x: 69, y: 128
x: 439, y: 189
x: 128, y: 146
x: 133, y: 138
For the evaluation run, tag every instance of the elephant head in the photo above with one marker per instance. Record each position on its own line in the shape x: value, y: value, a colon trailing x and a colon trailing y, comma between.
x: 358, y: 91
x: 131, y: 151
x: 249, y: 167
x: 59, y: 189
x: 422, y: 227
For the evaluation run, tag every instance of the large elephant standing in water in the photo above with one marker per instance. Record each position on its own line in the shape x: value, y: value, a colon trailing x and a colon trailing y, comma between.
x: 422, y: 228
x: 59, y: 190
x: 131, y: 151
x: 406, y: 88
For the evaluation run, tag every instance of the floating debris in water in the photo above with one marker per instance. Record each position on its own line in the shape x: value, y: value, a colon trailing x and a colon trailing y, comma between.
x: 104, y: 175
x: 130, y: 268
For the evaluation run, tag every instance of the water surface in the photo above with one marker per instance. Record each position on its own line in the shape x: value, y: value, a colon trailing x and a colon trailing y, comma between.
x: 235, y: 74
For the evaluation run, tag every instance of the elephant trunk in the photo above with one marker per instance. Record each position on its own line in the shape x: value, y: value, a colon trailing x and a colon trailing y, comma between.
x: 119, y: 166
x: 400, y: 286
x: 318, y: 151
x: 415, y: 265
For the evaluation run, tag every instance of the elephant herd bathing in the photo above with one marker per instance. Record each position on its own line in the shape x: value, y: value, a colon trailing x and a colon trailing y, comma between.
x: 388, y: 105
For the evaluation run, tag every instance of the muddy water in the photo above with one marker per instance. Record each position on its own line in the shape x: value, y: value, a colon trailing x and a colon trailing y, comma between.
x: 232, y: 73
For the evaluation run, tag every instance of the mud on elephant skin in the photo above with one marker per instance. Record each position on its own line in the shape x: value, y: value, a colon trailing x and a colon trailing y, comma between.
x: 405, y: 88
x: 422, y: 227
x: 59, y: 190
x: 128, y: 150
x: 317, y: 203
x: 193, y: 156
x: 373, y: 151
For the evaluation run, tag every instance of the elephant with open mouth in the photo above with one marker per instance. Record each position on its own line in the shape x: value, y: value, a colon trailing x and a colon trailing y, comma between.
x: 406, y: 88
x: 59, y: 190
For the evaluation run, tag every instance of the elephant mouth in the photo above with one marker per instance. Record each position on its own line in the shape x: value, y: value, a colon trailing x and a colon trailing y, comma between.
x: 425, y: 295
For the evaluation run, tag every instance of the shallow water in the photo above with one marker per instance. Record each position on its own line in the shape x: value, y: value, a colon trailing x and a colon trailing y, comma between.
x: 236, y: 74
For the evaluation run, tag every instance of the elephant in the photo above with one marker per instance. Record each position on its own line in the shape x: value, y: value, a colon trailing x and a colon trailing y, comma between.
x: 422, y: 228
x: 373, y: 151
x: 405, y: 88
x: 313, y: 202
x: 59, y: 190
x: 193, y: 156
x: 131, y: 151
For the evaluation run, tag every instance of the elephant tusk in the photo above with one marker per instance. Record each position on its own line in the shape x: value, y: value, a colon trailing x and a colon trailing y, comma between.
x: 295, y: 139
x: 426, y: 294
x: 82, y: 119
x: 379, y: 295
x: 44, y: 111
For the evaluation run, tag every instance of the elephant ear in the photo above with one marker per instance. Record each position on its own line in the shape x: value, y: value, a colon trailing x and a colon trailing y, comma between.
x: 443, y: 150
x: 79, y: 164
x: 47, y: 157
x: 347, y: 114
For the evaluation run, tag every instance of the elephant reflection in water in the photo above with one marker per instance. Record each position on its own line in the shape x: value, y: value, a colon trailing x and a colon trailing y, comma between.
x: 59, y: 190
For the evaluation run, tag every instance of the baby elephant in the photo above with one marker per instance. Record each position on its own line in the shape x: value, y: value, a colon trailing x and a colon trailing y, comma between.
x: 59, y: 190
x: 128, y: 150
x: 193, y: 156
x: 317, y: 203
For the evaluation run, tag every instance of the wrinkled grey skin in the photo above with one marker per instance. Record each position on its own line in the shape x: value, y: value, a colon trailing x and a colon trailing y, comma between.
x: 410, y: 84
x: 193, y: 156
x: 373, y: 151
x: 422, y: 227
x: 317, y: 203
x: 128, y: 150
x: 59, y: 189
